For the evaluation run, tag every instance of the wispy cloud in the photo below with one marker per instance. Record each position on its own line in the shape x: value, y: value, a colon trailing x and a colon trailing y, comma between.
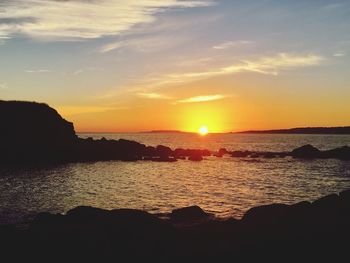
x: 338, y: 55
x: 78, y: 72
x: 76, y: 19
x: 331, y: 7
x: 112, y: 46
x: 3, y: 86
x: 265, y: 65
x: 37, y: 71
x: 202, y: 98
x: 84, y: 70
x: 144, y: 44
x: 153, y: 95
x: 231, y: 44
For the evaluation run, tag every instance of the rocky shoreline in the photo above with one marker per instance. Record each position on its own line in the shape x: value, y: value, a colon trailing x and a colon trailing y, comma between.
x: 33, y: 133
x: 305, y: 230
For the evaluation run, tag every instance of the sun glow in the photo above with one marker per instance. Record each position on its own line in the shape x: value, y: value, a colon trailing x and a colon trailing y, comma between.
x: 203, y: 130
x: 209, y: 115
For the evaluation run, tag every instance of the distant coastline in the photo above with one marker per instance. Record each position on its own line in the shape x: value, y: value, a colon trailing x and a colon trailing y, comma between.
x: 302, y: 130
x: 305, y: 130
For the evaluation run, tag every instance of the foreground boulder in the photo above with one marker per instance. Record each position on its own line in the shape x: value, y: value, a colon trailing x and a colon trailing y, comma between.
x: 312, y: 231
x: 189, y: 215
x: 267, y: 214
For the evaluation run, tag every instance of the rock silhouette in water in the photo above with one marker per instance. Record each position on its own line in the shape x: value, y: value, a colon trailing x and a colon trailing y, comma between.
x: 306, y: 151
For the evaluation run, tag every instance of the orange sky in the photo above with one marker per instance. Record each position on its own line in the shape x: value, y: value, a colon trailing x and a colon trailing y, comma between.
x: 179, y: 65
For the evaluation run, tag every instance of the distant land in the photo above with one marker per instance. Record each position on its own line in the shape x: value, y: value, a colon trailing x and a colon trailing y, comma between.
x: 303, y: 130
x: 306, y: 130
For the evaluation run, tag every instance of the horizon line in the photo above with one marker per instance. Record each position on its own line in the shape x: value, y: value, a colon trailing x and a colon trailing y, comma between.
x: 241, y: 131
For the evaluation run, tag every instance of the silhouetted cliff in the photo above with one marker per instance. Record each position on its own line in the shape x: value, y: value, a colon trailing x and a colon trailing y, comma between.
x: 32, y: 132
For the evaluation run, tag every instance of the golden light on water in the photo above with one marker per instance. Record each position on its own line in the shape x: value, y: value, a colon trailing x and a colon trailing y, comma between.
x: 203, y: 130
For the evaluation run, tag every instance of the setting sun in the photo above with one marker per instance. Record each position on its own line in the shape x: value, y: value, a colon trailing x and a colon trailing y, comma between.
x: 203, y: 130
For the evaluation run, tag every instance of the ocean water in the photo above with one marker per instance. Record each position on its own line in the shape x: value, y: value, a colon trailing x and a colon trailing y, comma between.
x: 224, y: 186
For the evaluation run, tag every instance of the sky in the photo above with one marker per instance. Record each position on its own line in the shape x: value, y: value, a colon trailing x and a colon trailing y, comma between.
x: 139, y: 65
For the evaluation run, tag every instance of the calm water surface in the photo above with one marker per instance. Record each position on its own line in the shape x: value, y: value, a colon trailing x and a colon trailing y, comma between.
x: 225, y: 186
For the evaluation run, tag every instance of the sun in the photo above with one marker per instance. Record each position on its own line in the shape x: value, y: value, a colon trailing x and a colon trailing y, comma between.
x: 203, y: 130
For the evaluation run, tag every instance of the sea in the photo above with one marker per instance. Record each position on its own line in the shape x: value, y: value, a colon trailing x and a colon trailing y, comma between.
x: 226, y: 187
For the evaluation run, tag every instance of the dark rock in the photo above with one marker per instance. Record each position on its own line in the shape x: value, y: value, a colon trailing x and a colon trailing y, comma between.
x: 310, y: 231
x: 149, y: 151
x: 301, y: 206
x: 327, y: 205
x: 240, y: 154
x: 87, y: 213
x: 189, y: 214
x: 130, y: 158
x: 195, y: 157
x: 266, y: 214
x: 179, y: 152
x: 299, y: 212
x: 205, y: 152
x: 255, y: 155
x: 345, y: 202
x: 223, y: 151
x: 327, y: 201
x: 342, y: 153
x: 137, y: 219
x: 306, y: 152
x: 163, y: 151
x: 34, y: 132
x: 345, y: 195
x: 269, y: 155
